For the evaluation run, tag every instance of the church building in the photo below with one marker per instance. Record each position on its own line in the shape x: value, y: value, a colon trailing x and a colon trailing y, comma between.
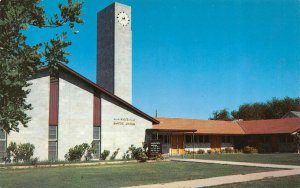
x: 69, y: 109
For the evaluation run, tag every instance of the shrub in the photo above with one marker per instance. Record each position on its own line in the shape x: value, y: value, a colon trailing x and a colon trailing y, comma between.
x: 160, y: 157
x: 248, y: 149
x: 229, y: 150
x: 115, y: 153
x: 137, y: 153
x: 105, y: 154
x: 89, y: 152
x: 76, y: 153
x: 200, y: 151
x: 21, y: 152
x: 34, y: 161
x: 126, y: 155
x: 209, y: 151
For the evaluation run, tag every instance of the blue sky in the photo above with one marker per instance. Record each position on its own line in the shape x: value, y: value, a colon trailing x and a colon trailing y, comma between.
x: 193, y: 57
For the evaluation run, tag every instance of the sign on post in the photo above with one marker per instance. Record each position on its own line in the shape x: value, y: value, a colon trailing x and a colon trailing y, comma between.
x: 154, y: 148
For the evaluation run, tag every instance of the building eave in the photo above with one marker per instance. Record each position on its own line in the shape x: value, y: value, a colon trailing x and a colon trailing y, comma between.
x: 98, y: 88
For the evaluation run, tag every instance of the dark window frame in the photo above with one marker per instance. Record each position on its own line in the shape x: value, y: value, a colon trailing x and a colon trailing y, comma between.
x: 96, y: 142
x: 53, y: 143
x: 3, y: 141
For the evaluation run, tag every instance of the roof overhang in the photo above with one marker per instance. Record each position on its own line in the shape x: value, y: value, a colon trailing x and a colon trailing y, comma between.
x: 173, y: 130
x: 295, y: 132
x: 98, y: 88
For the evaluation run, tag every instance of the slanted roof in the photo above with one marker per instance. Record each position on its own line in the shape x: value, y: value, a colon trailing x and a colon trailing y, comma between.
x: 270, y: 126
x: 98, y: 88
x: 295, y: 114
x: 216, y: 127
x: 201, y: 126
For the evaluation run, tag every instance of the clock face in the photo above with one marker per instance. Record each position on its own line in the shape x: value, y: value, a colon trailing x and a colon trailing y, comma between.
x: 123, y: 18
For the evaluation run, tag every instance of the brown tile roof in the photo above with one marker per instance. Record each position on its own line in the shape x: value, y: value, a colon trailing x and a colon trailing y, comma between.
x: 202, y: 126
x: 272, y: 126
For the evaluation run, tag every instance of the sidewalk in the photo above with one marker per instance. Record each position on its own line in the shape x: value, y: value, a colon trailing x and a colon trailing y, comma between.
x: 223, y: 179
x: 292, y: 170
x: 238, y: 163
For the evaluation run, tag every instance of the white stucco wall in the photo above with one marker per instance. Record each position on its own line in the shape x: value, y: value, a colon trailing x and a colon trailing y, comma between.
x: 197, y: 146
x: 37, y: 131
x: 75, y: 124
x: 114, y: 134
x: 226, y: 145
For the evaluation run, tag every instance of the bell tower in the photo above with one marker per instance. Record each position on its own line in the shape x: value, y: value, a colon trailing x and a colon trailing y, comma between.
x: 114, y: 50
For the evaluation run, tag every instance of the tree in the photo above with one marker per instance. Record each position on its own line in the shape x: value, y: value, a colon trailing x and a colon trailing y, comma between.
x: 19, y: 60
x: 251, y: 111
x: 273, y: 109
x: 221, y: 115
x: 278, y: 108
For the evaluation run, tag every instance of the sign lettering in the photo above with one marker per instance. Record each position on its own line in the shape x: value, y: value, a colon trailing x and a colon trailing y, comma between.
x: 124, y: 121
x: 154, y: 148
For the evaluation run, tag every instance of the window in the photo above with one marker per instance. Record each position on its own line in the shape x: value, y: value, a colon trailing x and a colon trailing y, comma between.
x: 266, y: 139
x: 226, y: 139
x: 206, y: 139
x: 52, y: 151
x: 96, y: 141
x: 290, y: 139
x: 96, y: 133
x: 156, y: 137
x: 2, y: 134
x: 52, y: 143
x: 166, y: 139
x: 196, y: 137
x: 286, y: 139
x: 2, y: 143
x: 52, y: 132
x: 188, y: 138
x: 282, y: 139
x: 201, y: 139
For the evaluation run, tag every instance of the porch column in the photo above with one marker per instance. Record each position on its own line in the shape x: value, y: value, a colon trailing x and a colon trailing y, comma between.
x: 193, y: 145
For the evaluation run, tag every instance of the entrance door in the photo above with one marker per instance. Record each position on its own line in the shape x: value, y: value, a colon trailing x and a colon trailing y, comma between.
x: 177, y: 145
x: 215, y: 142
x: 275, y: 144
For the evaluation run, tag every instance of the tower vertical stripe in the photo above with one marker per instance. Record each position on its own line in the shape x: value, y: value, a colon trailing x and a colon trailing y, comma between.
x: 53, y: 101
x: 97, y: 111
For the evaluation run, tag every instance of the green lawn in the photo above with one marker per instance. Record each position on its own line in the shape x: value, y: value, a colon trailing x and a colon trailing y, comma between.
x: 117, y: 175
x: 290, y: 182
x: 278, y: 158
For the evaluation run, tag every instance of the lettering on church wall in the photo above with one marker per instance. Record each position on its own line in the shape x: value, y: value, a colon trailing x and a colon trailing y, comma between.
x: 124, y: 121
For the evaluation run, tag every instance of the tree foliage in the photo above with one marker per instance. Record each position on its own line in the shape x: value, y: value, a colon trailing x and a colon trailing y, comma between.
x: 273, y: 109
x: 20, y: 60
x: 221, y: 115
